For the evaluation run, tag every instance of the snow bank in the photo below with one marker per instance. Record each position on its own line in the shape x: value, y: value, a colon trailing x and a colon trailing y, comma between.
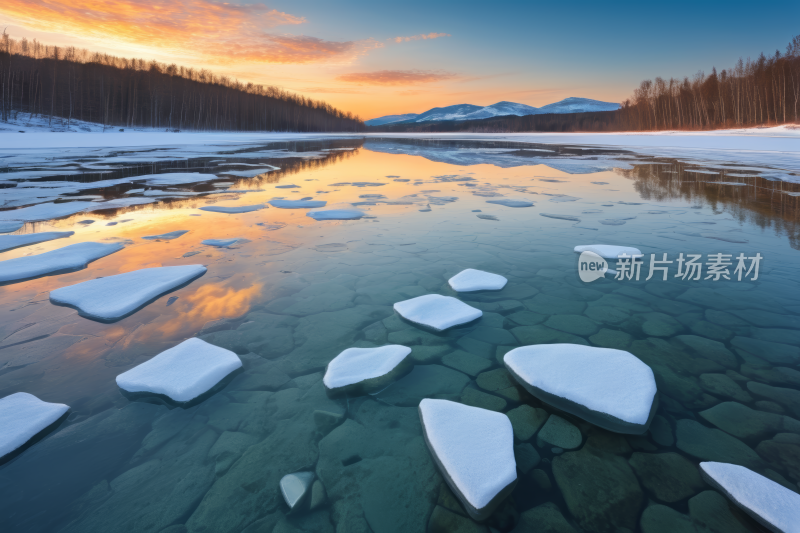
x: 183, y: 372
x: 22, y: 416
x: 297, y: 204
x: 233, y: 210
x: 609, y: 388
x: 474, y: 450
x: 772, y: 505
x: 365, y: 370
x: 437, y: 311
x: 477, y: 280
x: 68, y: 258
x: 608, y: 251
x: 115, y: 297
x: 9, y: 242
x: 336, y: 214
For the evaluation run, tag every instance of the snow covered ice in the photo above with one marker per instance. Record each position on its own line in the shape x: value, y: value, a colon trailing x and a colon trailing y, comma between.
x: 772, y: 505
x: 9, y: 242
x: 474, y: 450
x: 46, y: 211
x: 294, y: 487
x: 469, y: 280
x: 167, y: 236
x: 609, y: 388
x: 510, y: 203
x: 297, y: 204
x: 22, y: 416
x: 68, y: 258
x: 436, y: 311
x: 336, y: 214
x: 10, y: 226
x: 115, y: 297
x: 233, y: 210
x: 609, y: 251
x: 220, y: 243
x: 183, y: 372
x: 365, y: 370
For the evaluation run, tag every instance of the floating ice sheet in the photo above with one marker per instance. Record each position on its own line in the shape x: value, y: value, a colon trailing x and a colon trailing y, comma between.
x: 167, y: 236
x: 22, y: 416
x: 297, y: 204
x: 608, y: 251
x: 365, y: 369
x: 10, y: 226
x: 47, y: 211
x: 9, y: 242
x: 233, y: 210
x: 112, y: 298
x: 220, y: 243
x: 508, y: 202
x: 437, y: 311
x: 561, y: 217
x: 68, y: 258
x: 183, y: 372
x: 477, y: 280
x: 295, y: 486
x: 336, y: 214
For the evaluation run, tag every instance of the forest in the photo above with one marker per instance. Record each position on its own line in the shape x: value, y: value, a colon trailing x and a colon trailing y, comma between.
x: 50, y: 82
x: 760, y: 92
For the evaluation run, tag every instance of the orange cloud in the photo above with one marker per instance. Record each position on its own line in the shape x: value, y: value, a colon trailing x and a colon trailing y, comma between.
x: 420, y: 37
x: 396, y: 77
x: 211, y: 302
x: 195, y: 28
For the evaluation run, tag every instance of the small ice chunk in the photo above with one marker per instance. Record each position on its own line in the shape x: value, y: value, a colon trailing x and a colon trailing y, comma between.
x: 437, y: 311
x: 477, y: 280
x: 365, y: 370
x: 220, y: 243
x: 176, y: 178
x: 66, y: 259
x: 10, y: 226
x: 167, y: 236
x: 561, y: 217
x: 610, y: 388
x: 608, y: 251
x: 287, y: 186
x: 474, y: 450
x: 183, y: 372
x: 295, y: 487
x: 508, y: 202
x: 297, y: 204
x: 233, y: 210
x: 9, y: 242
x: 336, y: 214
x: 115, y: 297
x: 22, y: 416
x: 772, y: 505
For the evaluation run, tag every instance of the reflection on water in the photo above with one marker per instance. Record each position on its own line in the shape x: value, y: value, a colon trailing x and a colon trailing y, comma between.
x: 296, y: 292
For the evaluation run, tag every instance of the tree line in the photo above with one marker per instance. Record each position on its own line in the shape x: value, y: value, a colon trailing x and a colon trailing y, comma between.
x: 51, y: 82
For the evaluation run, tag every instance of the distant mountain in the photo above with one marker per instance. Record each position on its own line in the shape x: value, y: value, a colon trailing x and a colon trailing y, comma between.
x: 474, y: 112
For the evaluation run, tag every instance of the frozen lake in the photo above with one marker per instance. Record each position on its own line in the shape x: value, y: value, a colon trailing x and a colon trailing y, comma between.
x: 288, y: 292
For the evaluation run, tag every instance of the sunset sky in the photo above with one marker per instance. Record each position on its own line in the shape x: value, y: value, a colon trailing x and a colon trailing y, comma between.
x: 379, y: 58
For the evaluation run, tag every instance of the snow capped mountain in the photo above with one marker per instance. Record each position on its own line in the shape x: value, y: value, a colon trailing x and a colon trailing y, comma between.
x: 474, y: 112
x: 578, y: 105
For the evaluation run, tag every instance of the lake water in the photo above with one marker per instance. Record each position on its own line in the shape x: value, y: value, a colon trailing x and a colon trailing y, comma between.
x: 296, y: 292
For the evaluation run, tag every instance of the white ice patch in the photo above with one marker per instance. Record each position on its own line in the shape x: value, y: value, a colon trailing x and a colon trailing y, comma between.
x: 11, y: 226
x: 45, y: 211
x: 250, y: 173
x: 609, y: 251
x: 9, y: 242
x: 437, y: 311
x: 220, y: 243
x: 771, y: 504
x: 295, y: 486
x: 22, y: 416
x: 358, y: 364
x: 477, y: 280
x: 72, y: 257
x: 115, y: 297
x: 603, y: 379
x: 233, y: 210
x: 297, y: 204
x: 183, y: 372
x: 167, y: 236
x: 336, y: 214
x: 177, y: 178
x: 474, y: 446
x: 510, y: 203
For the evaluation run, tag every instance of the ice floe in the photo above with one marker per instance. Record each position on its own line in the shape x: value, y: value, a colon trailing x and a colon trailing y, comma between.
x: 47, y: 211
x: 68, y: 258
x: 176, y: 178
x: 608, y: 251
x: 10, y: 226
x: 295, y: 487
x: 477, y: 280
x: 609, y: 388
x: 115, y: 297
x: 22, y: 416
x: 474, y: 450
x: 297, y: 204
x: 436, y: 311
x: 772, y: 505
x: 167, y: 236
x: 510, y: 203
x: 561, y: 217
x: 249, y: 173
x: 183, y: 372
x: 233, y: 210
x: 220, y: 243
x: 9, y: 242
x: 336, y: 214
x: 365, y: 370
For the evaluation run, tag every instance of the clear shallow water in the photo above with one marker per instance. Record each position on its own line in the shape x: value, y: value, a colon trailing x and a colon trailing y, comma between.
x: 300, y: 291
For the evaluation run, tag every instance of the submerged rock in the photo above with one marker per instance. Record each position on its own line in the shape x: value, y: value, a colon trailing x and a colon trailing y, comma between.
x: 669, y: 477
x: 769, y: 503
x: 364, y: 370
x: 477, y: 280
x: 22, y: 417
x: 474, y: 450
x: 545, y: 518
x: 713, y: 445
x: 295, y: 487
x: 560, y: 433
x: 436, y: 311
x: 610, y: 388
x: 745, y: 423
x: 425, y: 381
